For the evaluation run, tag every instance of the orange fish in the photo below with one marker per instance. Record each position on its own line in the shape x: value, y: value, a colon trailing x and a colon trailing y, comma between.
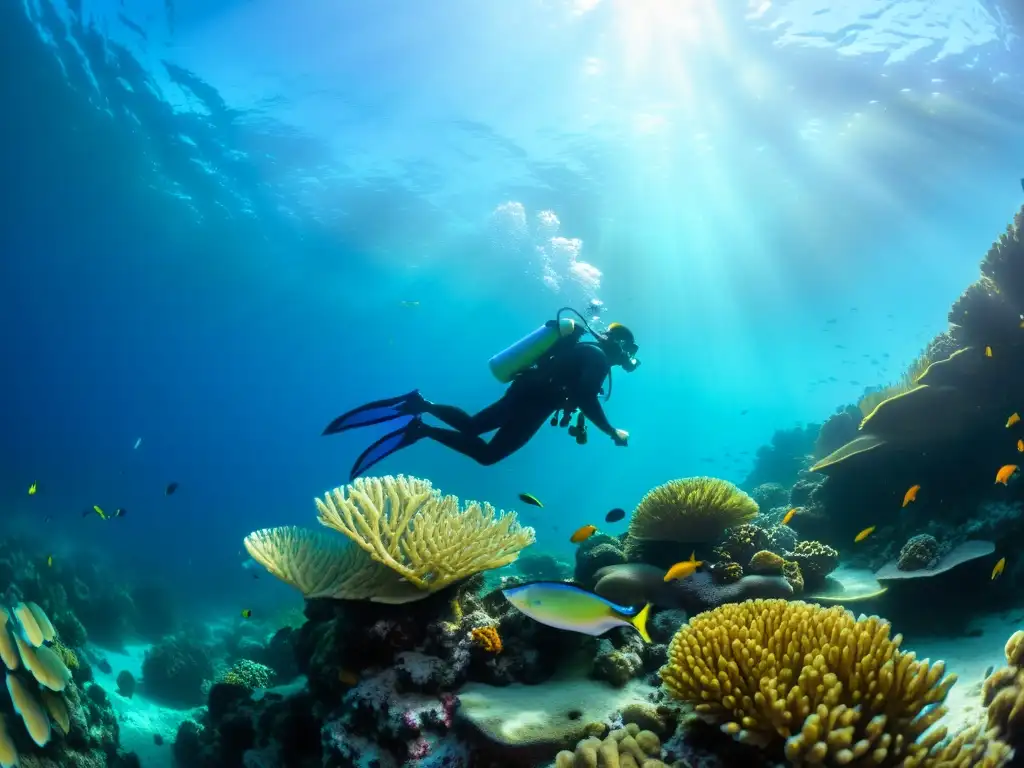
x: 911, y: 494
x: 998, y: 568
x: 1020, y: 446
x: 864, y: 534
x: 1014, y: 418
x: 988, y: 351
x: 789, y: 516
x: 583, y: 534
x: 683, y: 569
x: 1005, y: 473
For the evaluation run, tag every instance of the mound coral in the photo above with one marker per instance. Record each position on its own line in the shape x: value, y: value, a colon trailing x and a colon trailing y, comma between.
x: 828, y: 688
x: 176, y: 669
x: 920, y: 551
x: 37, y: 695
x: 406, y: 541
x: 627, y: 746
x: 816, y: 561
x: 741, y: 542
x: 248, y: 674
x: 693, y: 509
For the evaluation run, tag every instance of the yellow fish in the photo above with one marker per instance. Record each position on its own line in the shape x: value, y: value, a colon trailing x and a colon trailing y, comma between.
x: 864, y: 534
x: 1014, y: 418
x: 998, y: 568
x: 789, y: 516
x: 911, y: 494
x: 100, y: 512
x: 988, y: 351
x: 1005, y: 473
x: 246, y: 613
x: 32, y: 489
x: 1020, y: 446
x: 684, y: 569
x: 49, y: 561
x: 583, y: 534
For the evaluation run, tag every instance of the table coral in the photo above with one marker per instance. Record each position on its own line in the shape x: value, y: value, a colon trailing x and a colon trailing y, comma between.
x: 829, y: 688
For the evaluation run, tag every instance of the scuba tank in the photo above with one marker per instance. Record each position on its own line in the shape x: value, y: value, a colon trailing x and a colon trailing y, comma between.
x: 529, y: 349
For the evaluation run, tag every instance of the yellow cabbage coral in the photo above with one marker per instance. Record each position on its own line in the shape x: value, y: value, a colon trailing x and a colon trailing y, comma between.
x: 692, y: 509
x: 405, y: 541
x: 829, y: 688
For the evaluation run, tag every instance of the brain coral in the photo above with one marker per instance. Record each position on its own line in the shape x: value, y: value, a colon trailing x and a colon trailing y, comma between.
x: 828, y: 688
x: 693, y: 509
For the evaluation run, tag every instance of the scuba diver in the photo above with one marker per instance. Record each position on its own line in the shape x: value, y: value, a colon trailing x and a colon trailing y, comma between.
x: 548, y: 371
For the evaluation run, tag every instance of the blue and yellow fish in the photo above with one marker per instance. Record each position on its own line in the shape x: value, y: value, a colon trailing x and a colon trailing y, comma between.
x: 566, y: 606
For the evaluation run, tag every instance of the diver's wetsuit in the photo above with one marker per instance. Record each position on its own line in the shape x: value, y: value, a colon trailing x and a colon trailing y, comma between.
x: 570, y: 377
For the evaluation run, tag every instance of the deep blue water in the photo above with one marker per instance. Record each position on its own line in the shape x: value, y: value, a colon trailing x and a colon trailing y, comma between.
x: 216, y: 216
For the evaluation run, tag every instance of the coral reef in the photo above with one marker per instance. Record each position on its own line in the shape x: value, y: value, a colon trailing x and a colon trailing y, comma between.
x: 816, y: 561
x: 248, y: 674
x: 827, y: 688
x: 542, y: 567
x: 964, y: 553
x: 406, y: 541
x: 839, y: 429
x: 126, y: 683
x: 175, y: 669
x: 1003, y: 695
x: 770, y: 496
x: 597, y: 552
x: 693, y: 509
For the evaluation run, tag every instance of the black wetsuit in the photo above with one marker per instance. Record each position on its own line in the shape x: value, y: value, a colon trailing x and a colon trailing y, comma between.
x: 569, y: 377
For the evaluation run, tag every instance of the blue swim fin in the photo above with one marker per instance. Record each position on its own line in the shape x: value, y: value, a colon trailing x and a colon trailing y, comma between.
x: 401, y: 438
x: 376, y: 412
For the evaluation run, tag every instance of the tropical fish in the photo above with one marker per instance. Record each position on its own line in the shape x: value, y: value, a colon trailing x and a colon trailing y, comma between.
x: 911, y: 494
x: 864, y: 534
x: 615, y: 515
x: 1020, y: 446
x: 582, y: 534
x: 49, y: 561
x: 788, y: 516
x: 1014, y: 418
x: 988, y: 351
x: 120, y: 512
x: 97, y: 510
x: 1005, y: 473
x: 566, y: 606
x: 998, y: 569
x: 32, y: 489
x: 171, y: 488
x: 684, y: 568
x: 246, y: 613
x: 529, y: 498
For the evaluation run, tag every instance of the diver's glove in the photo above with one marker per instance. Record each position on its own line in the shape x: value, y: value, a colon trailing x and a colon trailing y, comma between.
x: 621, y: 438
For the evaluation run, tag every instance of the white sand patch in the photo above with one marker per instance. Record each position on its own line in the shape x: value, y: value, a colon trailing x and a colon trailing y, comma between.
x: 140, y: 718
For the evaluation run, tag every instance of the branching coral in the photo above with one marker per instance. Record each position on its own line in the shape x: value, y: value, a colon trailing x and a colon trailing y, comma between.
x: 407, y: 541
x: 693, y: 509
x: 831, y: 689
x: 424, y: 537
x: 487, y: 638
x: 1003, y: 694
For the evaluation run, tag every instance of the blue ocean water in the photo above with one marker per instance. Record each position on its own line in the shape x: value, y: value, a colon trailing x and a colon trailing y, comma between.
x: 225, y: 223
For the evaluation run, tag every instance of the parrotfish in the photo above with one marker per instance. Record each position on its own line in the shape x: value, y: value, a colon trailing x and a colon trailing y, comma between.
x: 566, y: 606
